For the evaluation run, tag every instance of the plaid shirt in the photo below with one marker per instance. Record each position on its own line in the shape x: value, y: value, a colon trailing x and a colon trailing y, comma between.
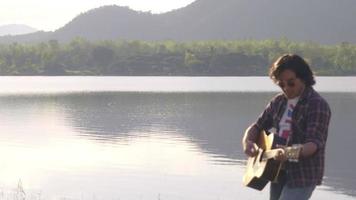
x: 310, y: 122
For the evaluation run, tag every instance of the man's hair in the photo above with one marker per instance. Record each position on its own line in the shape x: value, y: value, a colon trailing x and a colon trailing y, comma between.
x: 294, y: 63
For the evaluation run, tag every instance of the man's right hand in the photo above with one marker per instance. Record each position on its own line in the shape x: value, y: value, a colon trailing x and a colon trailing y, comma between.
x: 250, y: 148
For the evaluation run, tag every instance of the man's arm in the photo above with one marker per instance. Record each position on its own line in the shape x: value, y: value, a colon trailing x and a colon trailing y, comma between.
x: 304, y: 151
x: 252, y: 133
x: 309, y: 149
x: 317, y: 127
x: 249, y: 140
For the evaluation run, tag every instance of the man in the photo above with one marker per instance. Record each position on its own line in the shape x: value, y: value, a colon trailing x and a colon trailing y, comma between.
x: 299, y: 117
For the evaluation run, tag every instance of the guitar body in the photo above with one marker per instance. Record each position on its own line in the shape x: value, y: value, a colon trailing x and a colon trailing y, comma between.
x: 260, y: 170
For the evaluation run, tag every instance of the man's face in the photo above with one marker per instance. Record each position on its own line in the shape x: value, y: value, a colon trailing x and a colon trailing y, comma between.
x: 291, y: 85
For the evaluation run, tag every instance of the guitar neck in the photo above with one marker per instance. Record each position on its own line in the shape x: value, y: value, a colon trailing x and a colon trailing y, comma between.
x: 270, y: 154
x: 292, y: 153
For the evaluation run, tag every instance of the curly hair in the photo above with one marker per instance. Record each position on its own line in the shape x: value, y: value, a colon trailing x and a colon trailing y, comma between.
x: 294, y: 63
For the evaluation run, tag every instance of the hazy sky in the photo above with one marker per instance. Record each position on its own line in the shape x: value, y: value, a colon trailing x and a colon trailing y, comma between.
x: 49, y: 15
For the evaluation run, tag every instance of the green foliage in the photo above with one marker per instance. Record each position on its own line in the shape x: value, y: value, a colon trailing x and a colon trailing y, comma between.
x: 215, y: 58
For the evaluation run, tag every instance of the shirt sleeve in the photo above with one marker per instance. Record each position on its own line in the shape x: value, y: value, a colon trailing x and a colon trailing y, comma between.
x: 264, y: 121
x: 318, y: 118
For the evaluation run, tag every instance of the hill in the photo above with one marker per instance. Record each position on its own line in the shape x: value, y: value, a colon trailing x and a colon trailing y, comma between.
x: 15, y: 29
x: 321, y: 21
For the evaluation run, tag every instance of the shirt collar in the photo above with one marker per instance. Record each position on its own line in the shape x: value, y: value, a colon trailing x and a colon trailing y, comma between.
x: 306, y: 93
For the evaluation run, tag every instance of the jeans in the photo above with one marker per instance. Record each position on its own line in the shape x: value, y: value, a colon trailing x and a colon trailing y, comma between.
x: 281, y: 191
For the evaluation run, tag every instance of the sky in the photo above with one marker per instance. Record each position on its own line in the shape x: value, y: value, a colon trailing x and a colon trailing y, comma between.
x: 49, y: 15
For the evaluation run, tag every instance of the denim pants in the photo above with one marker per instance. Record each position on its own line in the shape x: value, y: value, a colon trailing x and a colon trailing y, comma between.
x: 281, y: 191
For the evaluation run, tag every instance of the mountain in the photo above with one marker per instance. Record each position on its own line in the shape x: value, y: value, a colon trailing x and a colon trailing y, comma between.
x: 322, y: 21
x: 15, y: 29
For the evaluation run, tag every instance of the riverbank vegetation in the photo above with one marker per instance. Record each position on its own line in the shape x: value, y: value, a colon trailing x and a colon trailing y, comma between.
x: 169, y: 58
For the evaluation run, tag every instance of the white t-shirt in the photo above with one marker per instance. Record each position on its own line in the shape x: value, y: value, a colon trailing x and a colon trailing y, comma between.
x: 285, y: 125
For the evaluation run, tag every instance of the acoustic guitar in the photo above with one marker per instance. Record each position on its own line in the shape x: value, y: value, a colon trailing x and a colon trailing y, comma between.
x: 262, y: 168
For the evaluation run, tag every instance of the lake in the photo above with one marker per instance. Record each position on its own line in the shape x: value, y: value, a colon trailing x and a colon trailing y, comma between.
x: 154, y: 138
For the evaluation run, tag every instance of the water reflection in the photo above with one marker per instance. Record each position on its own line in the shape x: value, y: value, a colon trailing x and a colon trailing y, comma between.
x: 149, y: 136
x: 213, y: 121
x: 65, y: 157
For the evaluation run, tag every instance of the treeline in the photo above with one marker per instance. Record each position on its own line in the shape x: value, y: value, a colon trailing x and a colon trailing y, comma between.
x: 169, y: 58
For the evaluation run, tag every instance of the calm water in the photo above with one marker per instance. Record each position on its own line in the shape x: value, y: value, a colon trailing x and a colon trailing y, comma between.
x: 99, y: 138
